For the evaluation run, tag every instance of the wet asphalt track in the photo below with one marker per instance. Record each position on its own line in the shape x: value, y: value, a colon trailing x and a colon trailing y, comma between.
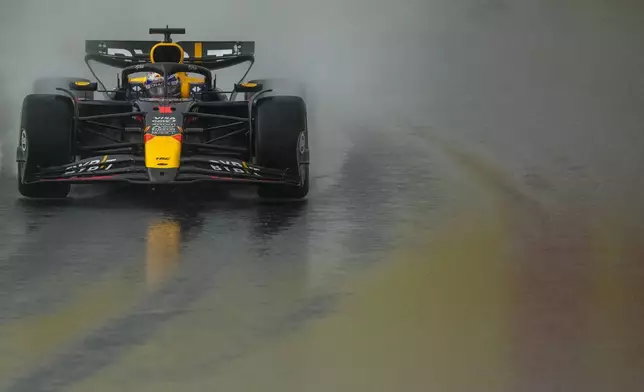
x: 87, y: 281
x: 429, y: 269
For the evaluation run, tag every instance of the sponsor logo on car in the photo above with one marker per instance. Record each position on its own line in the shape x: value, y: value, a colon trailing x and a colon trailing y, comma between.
x: 163, y: 125
x: 164, y: 120
x: 90, y: 165
x: 163, y: 130
x: 233, y: 166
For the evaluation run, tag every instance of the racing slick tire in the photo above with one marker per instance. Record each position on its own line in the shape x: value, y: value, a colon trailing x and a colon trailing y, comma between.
x: 45, y: 140
x: 281, y: 142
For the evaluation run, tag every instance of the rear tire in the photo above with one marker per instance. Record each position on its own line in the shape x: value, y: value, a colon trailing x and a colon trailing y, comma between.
x: 280, y: 87
x: 48, y: 85
x: 45, y: 140
x: 280, y: 131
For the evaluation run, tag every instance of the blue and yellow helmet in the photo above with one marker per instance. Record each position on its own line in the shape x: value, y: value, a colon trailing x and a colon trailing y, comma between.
x: 155, y: 88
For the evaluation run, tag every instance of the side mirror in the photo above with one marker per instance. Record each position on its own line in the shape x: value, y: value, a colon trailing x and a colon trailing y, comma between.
x: 248, y: 87
x: 83, y: 85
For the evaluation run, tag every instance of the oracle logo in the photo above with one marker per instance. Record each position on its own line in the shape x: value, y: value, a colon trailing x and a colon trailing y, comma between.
x: 131, y: 53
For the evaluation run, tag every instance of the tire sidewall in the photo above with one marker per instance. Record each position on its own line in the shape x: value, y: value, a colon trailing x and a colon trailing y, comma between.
x: 281, y: 142
x: 46, y: 131
x: 23, y: 146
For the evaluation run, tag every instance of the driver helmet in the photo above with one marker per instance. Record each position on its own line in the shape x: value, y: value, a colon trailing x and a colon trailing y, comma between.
x: 155, y: 88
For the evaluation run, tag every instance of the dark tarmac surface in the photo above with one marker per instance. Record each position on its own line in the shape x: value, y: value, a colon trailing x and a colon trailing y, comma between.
x: 429, y: 269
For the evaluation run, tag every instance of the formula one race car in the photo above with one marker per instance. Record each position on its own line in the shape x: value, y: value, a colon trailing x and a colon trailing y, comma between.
x: 166, y: 123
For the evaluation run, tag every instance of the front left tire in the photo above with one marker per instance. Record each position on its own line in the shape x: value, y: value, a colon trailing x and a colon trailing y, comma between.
x: 45, y: 140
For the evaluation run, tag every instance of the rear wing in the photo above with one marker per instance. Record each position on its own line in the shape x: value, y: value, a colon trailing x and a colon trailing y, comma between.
x: 193, y: 49
x: 209, y: 54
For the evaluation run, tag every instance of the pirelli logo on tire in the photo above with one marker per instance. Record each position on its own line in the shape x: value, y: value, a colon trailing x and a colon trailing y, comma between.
x: 302, y: 143
x: 23, y: 140
x: 302, y: 148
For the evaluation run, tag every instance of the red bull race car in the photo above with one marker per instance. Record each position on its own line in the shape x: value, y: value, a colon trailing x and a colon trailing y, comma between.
x: 166, y: 122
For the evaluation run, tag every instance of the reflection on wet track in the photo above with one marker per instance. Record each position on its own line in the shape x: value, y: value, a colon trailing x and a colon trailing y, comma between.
x: 418, y: 267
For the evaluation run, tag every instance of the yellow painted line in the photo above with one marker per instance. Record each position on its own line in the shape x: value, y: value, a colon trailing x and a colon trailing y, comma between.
x: 616, y: 323
x: 28, y: 341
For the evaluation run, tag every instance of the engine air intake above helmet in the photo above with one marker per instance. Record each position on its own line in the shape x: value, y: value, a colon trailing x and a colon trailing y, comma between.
x: 166, y: 53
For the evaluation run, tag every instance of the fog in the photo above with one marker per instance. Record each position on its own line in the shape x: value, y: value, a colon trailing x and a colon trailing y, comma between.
x: 342, y: 51
x: 524, y: 82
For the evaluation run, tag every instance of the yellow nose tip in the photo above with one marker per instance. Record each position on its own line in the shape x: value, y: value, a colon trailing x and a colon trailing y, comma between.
x: 162, y: 152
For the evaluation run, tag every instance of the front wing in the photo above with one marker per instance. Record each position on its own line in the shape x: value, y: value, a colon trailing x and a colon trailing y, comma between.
x: 129, y: 168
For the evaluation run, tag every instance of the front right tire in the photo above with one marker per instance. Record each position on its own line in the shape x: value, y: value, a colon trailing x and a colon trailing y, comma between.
x: 281, y: 142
